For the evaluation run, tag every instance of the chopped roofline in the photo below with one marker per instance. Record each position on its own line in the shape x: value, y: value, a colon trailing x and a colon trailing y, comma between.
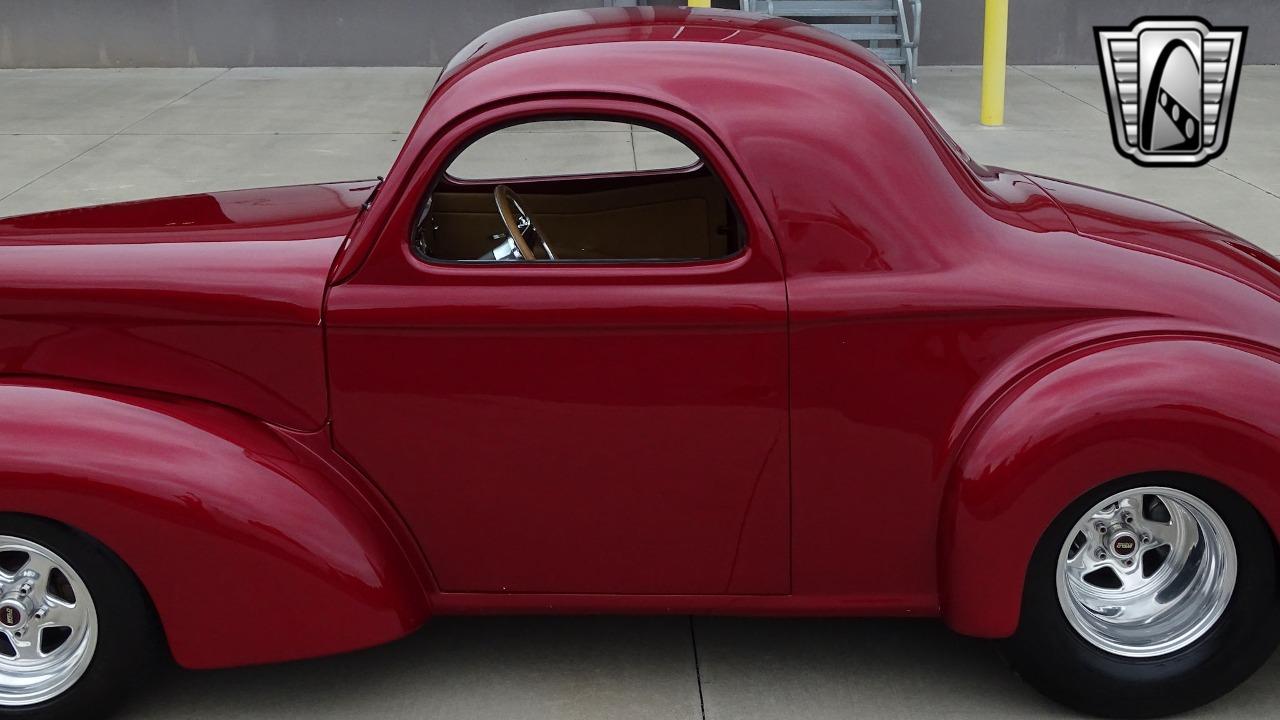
x: 598, y: 26
x: 611, y: 25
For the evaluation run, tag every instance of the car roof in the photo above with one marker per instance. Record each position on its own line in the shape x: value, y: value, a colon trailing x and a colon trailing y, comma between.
x: 801, y: 113
x: 705, y: 26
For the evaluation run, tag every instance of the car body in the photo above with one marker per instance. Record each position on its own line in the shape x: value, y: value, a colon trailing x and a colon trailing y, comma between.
x: 876, y: 407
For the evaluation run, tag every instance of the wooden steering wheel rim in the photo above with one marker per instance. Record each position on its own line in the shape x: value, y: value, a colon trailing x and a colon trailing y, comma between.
x: 510, y: 209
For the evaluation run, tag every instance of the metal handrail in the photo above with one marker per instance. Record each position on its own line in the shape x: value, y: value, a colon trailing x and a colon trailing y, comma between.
x: 915, y: 23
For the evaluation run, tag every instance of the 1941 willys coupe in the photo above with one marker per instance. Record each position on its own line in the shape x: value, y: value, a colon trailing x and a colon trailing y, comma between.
x: 830, y: 366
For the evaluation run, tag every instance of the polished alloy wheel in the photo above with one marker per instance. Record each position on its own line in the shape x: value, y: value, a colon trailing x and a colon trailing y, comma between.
x: 1146, y: 572
x: 48, y: 625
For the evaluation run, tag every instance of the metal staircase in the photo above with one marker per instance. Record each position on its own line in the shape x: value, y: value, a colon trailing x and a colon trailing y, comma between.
x: 881, y: 25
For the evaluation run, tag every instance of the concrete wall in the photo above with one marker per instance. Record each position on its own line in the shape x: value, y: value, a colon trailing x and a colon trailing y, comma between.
x: 222, y: 33
x: 166, y: 33
x: 1053, y: 32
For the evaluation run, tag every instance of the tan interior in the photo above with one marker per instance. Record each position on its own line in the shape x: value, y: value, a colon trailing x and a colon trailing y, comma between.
x: 682, y: 216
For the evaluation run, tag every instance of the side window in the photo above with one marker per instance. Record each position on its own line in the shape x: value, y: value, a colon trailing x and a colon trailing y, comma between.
x: 577, y: 191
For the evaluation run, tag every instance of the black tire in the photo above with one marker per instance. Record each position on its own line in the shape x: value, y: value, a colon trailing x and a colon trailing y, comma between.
x: 1052, y: 657
x: 129, y: 642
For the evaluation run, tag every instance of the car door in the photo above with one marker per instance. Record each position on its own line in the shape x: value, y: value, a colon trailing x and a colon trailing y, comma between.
x: 617, y: 426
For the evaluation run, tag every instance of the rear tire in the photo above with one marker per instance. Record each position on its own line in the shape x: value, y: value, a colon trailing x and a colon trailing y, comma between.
x: 1165, y: 635
x: 99, y: 636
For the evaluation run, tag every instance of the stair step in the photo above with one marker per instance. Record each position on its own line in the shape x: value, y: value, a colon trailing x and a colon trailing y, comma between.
x: 831, y: 8
x: 891, y: 56
x: 862, y: 31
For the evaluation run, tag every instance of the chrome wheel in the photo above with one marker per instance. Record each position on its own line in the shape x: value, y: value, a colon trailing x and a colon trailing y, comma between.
x: 48, y: 625
x: 1146, y: 572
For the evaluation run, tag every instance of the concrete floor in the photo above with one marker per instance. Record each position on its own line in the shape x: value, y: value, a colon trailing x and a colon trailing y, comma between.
x: 1056, y: 124
x: 644, y: 668
x: 73, y: 137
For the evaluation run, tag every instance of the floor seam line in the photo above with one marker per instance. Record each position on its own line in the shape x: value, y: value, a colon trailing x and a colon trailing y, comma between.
x: 697, y: 669
x: 107, y: 139
x: 178, y: 99
x: 1246, y: 182
x: 635, y: 157
x: 1078, y: 99
x: 1086, y: 102
x: 51, y: 171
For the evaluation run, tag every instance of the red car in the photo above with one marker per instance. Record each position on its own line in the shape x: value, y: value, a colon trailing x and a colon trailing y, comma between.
x: 828, y: 366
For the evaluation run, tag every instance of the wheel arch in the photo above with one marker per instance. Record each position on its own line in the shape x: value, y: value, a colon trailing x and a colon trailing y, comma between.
x: 251, y: 546
x: 1190, y: 405
x: 9, y: 517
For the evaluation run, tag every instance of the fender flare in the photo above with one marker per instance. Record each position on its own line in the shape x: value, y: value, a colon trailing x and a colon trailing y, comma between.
x: 1154, y: 404
x: 252, y: 547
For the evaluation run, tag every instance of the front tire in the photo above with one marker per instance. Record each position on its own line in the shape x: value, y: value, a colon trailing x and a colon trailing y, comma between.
x: 1150, y: 596
x: 76, y: 629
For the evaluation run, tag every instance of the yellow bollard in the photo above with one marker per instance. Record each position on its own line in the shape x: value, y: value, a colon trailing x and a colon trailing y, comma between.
x: 699, y: 3
x: 995, y: 41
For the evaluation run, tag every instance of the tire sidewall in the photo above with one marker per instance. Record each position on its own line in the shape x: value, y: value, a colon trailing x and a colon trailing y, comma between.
x: 1048, y: 652
x: 128, y: 638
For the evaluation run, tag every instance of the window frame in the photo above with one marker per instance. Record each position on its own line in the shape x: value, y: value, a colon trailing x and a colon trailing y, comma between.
x: 483, y: 130
x: 455, y: 180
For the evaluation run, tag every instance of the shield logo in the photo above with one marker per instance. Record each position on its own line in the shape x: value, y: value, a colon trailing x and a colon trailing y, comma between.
x: 1171, y: 86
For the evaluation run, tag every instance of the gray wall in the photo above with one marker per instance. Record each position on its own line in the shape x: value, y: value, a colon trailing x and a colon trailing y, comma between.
x: 219, y: 33
x: 1061, y: 31
x: 222, y: 33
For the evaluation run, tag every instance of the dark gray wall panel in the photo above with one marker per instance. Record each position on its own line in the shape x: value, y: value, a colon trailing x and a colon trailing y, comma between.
x: 166, y: 33
x: 220, y: 33
x: 1057, y: 32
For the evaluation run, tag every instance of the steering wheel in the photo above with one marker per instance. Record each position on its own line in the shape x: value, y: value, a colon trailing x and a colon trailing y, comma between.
x: 520, y: 224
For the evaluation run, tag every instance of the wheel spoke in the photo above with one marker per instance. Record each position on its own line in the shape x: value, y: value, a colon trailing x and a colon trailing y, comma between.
x: 1085, y: 561
x: 27, y: 646
x: 58, y: 614
x: 1165, y: 533
x: 1185, y: 531
x: 42, y: 569
x: 1151, y: 535
x: 1131, y: 579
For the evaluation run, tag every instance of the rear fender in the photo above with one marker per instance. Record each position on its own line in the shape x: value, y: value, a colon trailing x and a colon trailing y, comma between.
x: 252, y: 547
x: 1199, y: 406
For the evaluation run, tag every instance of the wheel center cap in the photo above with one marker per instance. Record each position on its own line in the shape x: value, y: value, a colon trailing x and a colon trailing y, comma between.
x: 1124, y: 545
x: 12, y: 613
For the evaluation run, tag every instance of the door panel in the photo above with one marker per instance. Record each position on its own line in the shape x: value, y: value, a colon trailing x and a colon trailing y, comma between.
x: 575, y: 429
x: 592, y: 427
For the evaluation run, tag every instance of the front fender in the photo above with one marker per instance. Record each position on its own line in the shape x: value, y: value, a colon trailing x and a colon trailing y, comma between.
x: 1201, y: 406
x: 252, y: 548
